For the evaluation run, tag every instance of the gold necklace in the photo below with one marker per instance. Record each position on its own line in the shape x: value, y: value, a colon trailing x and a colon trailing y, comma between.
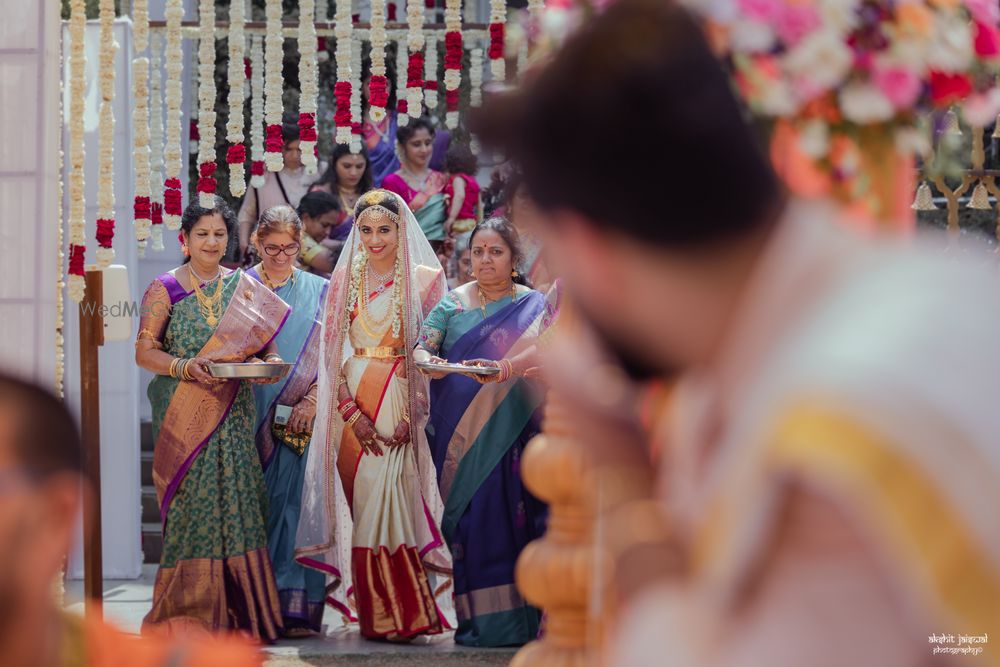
x: 483, y: 300
x: 210, y: 306
x: 368, y: 321
x: 273, y: 286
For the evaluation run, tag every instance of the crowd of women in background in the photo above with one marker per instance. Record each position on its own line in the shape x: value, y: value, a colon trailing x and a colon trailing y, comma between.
x: 357, y: 480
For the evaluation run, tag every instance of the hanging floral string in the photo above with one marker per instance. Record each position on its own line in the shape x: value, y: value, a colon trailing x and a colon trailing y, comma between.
x: 356, y: 114
x: 273, y: 106
x: 236, y: 154
x: 194, y: 134
x: 256, y: 112
x: 309, y: 83
x: 476, y: 77
x: 431, y: 72
x: 156, y: 144
x: 206, y: 104
x: 402, y: 104
x: 172, y: 209
x: 343, y: 30
x: 106, y: 172
x: 60, y: 280
x: 452, y: 60
x: 522, y: 57
x: 415, y: 65
x: 142, y: 206
x: 498, y: 21
x: 378, y: 86
x: 77, y: 156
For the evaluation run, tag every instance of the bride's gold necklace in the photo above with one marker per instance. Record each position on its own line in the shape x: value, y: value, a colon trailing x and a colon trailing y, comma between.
x: 368, y: 321
x: 483, y: 300
x: 210, y: 306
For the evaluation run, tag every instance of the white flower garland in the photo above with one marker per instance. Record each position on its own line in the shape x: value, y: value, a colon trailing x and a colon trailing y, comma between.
x: 156, y: 142
x: 344, y: 32
x: 206, y: 104
x: 106, y: 174
x: 498, y: 16
x: 60, y: 282
x: 356, y: 112
x: 402, y: 119
x: 476, y: 77
x: 142, y: 222
x: 273, y: 84
x: 173, y: 13
x: 256, y: 112
x: 236, y: 155
x: 431, y: 72
x: 309, y: 82
x: 378, y: 40
x: 522, y: 57
x: 453, y: 68
x: 193, y: 127
x: 414, y: 45
x: 77, y: 156
x: 535, y: 9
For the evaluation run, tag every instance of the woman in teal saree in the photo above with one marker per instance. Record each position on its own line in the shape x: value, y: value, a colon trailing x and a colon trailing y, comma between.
x: 215, y: 573
x: 278, y: 240
x: 477, y: 432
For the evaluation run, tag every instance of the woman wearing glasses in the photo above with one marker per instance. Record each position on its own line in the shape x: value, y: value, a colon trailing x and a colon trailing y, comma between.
x: 285, y: 412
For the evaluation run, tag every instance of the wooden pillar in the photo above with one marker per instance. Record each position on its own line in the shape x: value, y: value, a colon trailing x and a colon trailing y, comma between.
x: 556, y: 572
x: 91, y: 338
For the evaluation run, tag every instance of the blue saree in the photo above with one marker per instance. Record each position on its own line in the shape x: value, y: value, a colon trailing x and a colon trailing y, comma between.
x: 477, y: 434
x: 300, y: 590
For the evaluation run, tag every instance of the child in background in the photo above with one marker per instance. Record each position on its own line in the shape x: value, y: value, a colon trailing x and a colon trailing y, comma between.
x: 462, y: 190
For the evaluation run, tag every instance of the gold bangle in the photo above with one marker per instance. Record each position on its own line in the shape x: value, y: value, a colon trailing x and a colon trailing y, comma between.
x: 173, y: 367
x: 310, y: 398
x: 273, y: 355
x: 354, y: 418
x: 185, y: 371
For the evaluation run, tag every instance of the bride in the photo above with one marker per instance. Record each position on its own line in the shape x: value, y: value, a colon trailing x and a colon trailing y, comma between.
x: 371, y: 509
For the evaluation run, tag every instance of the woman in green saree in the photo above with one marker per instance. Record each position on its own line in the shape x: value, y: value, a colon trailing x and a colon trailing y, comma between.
x: 214, y: 573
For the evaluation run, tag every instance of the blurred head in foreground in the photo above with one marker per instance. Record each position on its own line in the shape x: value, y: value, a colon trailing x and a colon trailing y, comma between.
x: 653, y: 184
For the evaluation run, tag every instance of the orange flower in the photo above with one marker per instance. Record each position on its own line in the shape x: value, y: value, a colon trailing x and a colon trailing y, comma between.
x: 916, y: 18
x: 824, y: 108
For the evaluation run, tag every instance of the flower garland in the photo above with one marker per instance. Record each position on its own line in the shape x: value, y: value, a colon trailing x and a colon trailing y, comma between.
x: 356, y: 114
x: 498, y: 21
x: 256, y: 112
x: 535, y: 10
x: 431, y: 73
x: 156, y: 144
x: 60, y: 367
x: 402, y: 103
x: 357, y: 292
x: 415, y: 64
x: 273, y: 107
x: 378, y: 86
x: 236, y: 154
x: 310, y: 86
x: 452, y: 60
x: 476, y: 77
x: 142, y: 206
x: 106, y: 173
x: 172, y: 209
x: 343, y: 30
x: 77, y: 155
x: 206, y: 103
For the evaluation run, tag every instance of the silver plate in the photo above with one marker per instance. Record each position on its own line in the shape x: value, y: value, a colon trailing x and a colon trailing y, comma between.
x: 456, y: 368
x: 248, y: 371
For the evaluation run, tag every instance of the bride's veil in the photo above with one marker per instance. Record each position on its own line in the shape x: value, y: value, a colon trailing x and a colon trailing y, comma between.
x: 325, y: 527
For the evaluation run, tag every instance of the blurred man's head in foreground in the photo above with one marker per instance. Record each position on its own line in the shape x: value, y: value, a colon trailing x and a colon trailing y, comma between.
x: 40, y: 485
x: 632, y: 142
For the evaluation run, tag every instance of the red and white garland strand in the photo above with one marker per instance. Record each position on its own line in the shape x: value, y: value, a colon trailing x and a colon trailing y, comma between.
x: 343, y: 30
x: 273, y: 105
x: 431, y: 72
x: 378, y: 86
x: 452, y: 60
x: 236, y: 153
x: 77, y: 203
x: 310, y: 85
x: 142, y: 206
x: 106, y: 172
x: 60, y: 281
x: 356, y: 112
x: 498, y: 21
x: 415, y: 65
x: 256, y: 112
x: 172, y: 197
x: 156, y: 143
x: 206, y: 105
x: 476, y: 77
x: 402, y: 105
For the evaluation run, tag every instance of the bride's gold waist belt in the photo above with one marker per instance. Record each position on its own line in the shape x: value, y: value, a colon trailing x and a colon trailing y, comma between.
x: 379, y: 352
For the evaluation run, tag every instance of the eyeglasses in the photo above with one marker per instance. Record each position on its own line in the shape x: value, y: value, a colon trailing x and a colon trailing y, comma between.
x: 274, y: 250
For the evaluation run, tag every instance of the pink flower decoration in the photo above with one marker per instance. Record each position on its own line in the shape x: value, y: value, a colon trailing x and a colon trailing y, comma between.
x: 765, y: 11
x: 984, y: 11
x: 987, y: 40
x: 795, y: 22
x: 900, y: 85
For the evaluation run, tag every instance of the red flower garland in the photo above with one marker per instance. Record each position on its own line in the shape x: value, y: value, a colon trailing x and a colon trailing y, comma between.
x: 274, y: 142
x: 415, y: 70
x: 76, y: 260
x: 378, y: 91
x: 156, y: 213
x: 142, y: 208
x: 257, y: 168
x: 430, y: 85
x: 401, y: 106
x: 342, y: 94
x: 207, y: 182
x: 451, y: 98
x: 193, y: 133
x: 307, y: 127
x: 105, y: 232
x: 946, y: 89
x: 247, y: 69
x: 496, y: 40
x: 453, y: 50
x: 172, y: 197
x: 236, y: 154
